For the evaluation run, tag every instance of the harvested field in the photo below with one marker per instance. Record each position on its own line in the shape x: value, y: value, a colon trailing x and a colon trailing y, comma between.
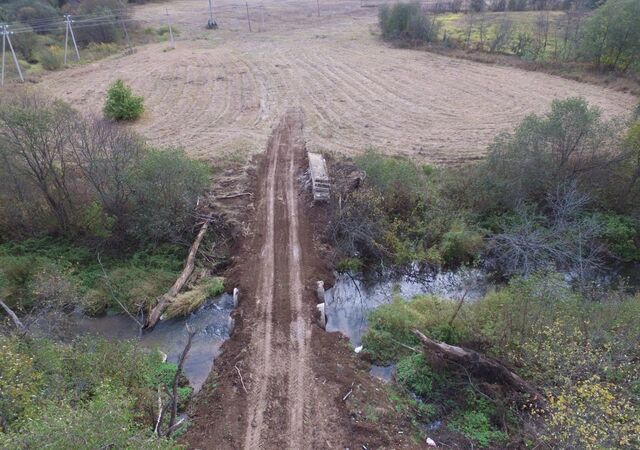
x: 219, y: 92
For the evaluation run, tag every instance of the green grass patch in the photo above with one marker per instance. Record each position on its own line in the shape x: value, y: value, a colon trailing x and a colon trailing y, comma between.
x: 29, y: 268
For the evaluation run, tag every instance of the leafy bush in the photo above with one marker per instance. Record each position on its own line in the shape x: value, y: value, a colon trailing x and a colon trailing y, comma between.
x: 413, y: 372
x: 104, y: 421
x: 165, y: 187
x: 621, y: 233
x: 593, y: 415
x: 349, y: 265
x: 406, y: 22
x: 34, y: 267
x: 51, y: 58
x: 474, y: 421
x: 392, y: 325
x: 89, y: 393
x: 612, y: 37
x: 121, y: 104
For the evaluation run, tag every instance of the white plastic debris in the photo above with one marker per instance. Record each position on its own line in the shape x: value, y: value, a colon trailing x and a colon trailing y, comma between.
x: 431, y: 442
x: 358, y: 349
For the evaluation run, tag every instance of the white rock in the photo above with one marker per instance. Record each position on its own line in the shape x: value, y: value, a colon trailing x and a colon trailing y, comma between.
x: 431, y: 442
x: 358, y: 349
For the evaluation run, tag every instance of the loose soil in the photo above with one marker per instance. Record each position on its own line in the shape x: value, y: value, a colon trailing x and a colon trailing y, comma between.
x: 219, y: 92
x: 281, y: 381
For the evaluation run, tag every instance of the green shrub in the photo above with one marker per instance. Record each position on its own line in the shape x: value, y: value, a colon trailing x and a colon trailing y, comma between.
x: 165, y: 186
x: 460, y: 245
x: 611, y: 37
x: 621, y: 234
x: 413, y: 372
x: 474, y: 420
x: 392, y: 325
x: 406, y: 22
x: 51, y: 58
x: 121, y: 104
x: 215, y: 287
x: 105, y: 421
x: 476, y: 426
x: 349, y: 265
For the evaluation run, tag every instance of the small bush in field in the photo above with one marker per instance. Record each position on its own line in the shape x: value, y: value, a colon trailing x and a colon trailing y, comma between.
x: 122, y: 104
x: 51, y: 58
x: 408, y: 23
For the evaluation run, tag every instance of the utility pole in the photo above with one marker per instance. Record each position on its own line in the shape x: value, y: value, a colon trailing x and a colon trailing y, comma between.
x: 69, y: 21
x: 248, y: 18
x: 6, y: 39
x: 318, y: 3
x: 211, y: 24
x: 173, y: 44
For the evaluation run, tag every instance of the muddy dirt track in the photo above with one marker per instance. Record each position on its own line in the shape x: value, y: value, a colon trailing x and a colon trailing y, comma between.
x: 219, y: 93
x: 281, y: 379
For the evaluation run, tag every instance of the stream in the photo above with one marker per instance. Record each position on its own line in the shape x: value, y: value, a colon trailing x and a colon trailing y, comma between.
x: 211, y: 322
x: 351, y: 299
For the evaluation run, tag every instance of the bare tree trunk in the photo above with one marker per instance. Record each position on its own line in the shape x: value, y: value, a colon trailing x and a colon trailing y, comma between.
x: 174, y: 394
x: 14, y: 318
x: 480, y: 366
x: 165, y: 299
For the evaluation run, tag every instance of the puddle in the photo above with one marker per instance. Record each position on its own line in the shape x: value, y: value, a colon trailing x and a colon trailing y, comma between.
x: 383, y: 373
x: 350, y: 300
x: 211, y: 323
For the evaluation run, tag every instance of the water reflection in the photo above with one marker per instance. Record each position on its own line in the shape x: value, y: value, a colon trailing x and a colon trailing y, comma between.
x: 350, y: 300
x: 211, y: 323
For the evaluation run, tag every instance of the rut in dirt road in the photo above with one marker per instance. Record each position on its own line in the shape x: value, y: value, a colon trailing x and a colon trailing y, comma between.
x: 279, y: 347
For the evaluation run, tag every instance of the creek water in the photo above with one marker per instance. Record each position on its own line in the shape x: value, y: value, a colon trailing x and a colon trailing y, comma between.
x: 350, y: 300
x: 211, y: 322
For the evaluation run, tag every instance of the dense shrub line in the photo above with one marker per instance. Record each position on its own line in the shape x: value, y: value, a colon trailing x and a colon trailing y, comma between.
x: 559, y: 192
x: 607, y: 38
x: 80, y: 188
x: 84, y: 176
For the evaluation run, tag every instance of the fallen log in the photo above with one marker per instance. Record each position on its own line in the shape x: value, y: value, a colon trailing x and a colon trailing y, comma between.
x: 165, y: 299
x: 480, y: 366
x: 14, y: 318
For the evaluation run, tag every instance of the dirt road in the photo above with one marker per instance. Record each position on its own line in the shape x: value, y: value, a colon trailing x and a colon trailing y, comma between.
x: 274, y: 410
x: 281, y: 380
x: 279, y: 347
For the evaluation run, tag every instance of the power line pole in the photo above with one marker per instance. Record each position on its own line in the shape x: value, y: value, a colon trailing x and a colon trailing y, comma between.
x: 318, y: 3
x: 69, y: 29
x: 7, y: 39
x: 4, y: 40
x: 173, y: 44
x: 248, y: 18
x: 211, y: 24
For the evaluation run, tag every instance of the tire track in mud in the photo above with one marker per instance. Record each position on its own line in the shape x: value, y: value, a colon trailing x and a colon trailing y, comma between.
x: 261, y: 338
x: 280, y: 339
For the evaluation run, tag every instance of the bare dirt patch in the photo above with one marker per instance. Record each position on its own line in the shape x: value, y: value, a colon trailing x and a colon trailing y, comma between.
x: 219, y: 92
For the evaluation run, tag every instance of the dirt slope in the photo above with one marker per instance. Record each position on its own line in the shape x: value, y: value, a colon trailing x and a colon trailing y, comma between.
x: 295, y: 374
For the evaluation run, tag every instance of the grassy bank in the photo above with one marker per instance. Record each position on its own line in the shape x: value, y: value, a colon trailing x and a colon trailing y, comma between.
x: 87, y: 394
x: 580, y: 353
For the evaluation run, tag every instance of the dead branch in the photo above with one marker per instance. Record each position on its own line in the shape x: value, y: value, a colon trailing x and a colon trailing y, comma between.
x: 14, y: 318
x: 167, y: 298
x: 480, y: 366
x: 241, y: 380
x: 237, y: 194
x: 174, y: 393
